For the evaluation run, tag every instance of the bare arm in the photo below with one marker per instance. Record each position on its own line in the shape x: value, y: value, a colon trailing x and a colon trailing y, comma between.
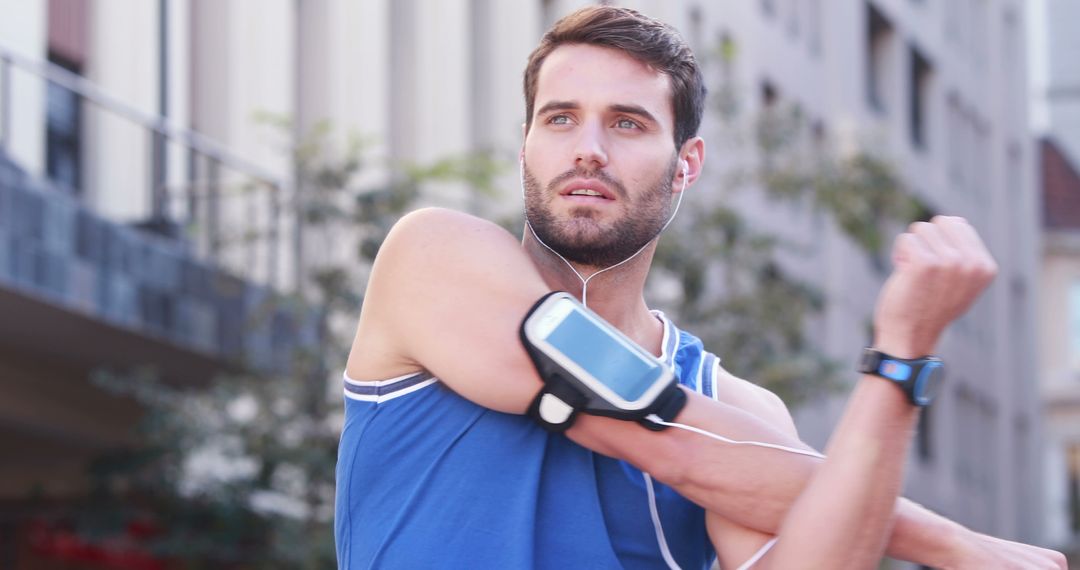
x: 918, y: 534
x: 843, y: 518
x: 447, y: 294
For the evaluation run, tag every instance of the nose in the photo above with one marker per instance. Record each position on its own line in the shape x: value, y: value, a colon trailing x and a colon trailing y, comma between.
x: 590, y: 150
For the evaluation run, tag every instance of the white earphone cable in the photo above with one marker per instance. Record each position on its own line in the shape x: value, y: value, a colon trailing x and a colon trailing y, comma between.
x: 808, y: 452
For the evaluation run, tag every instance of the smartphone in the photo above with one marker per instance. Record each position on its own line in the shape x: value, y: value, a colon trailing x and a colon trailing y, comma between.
x: 604, y: 362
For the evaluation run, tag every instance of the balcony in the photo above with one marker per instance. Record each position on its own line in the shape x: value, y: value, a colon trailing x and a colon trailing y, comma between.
x: 82, y: 292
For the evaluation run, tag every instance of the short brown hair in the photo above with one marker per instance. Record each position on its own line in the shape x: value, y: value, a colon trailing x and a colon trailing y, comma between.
x: 649, y: 41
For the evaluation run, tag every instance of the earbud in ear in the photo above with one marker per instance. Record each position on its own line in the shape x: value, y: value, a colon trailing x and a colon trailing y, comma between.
x: 685, y: 168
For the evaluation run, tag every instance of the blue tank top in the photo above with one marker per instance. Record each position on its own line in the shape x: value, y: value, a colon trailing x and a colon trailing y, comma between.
x: 426, y: 478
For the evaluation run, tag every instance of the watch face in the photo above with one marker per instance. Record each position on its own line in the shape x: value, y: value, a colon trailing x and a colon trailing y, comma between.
x: 928, y: 383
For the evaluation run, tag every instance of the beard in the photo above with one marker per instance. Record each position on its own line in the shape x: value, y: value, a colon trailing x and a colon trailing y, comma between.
x: 584, y: 240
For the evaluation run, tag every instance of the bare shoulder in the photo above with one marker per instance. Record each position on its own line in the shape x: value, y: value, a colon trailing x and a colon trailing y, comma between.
x: 441, y: 251
x: 441, y: 222
x: 446, y: 294
x: 421, y: 239
x: 759, y: 401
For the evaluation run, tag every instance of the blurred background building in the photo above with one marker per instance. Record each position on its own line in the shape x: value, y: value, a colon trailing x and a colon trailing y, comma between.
x: 1056, y: 105
x: 148, y: 195
x: 939, y: 89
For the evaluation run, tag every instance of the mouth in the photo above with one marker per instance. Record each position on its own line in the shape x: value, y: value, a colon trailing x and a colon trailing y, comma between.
x: 587, y: 191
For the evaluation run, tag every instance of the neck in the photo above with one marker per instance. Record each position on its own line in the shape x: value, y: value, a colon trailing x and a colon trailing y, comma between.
x: 617, y: 295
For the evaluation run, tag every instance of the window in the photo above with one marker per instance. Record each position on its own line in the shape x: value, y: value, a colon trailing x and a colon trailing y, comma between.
x: 1011, y: 50
x: 954, y: 19
x: 63, y: 130
x: 770, y: 131
x: 979, y: 38
x: 1073, y: 458
x: 813, y: 26
x: 547, y: 14
x: 1028, y: 490
x: 924, y: 435
x: 879, y: 33
x: 953, y: 133
x: 919, y: 96
x: 768, y: 7
x: 1014, y: 188
x: 981, y: 165
x: 1074, y: 325
x: 818, y: 132
x: 976, y: 455
x: 403, y: 84
x: 697, y: 34
x: 769, y: 95
x: 965, y: 444
x: 793, y: 24
x: 481, y: 133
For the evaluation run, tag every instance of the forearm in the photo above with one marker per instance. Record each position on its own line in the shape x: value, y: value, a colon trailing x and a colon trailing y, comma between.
x: 752, y: 486
x: 923, y: 536
x: 843, y: 517
x: 755, y: 487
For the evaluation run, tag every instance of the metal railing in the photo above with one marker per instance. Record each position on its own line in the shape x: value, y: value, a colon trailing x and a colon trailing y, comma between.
x: 196, y: 208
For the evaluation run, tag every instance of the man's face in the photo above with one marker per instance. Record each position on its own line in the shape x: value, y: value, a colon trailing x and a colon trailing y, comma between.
x: 599, y: 158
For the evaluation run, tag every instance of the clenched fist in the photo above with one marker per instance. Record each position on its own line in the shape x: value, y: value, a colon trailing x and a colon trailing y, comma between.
x: 939, y: 269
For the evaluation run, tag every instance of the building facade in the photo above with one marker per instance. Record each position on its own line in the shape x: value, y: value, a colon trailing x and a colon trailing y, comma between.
x: 1056, y: 105
x: 937, y: 90
x: 1059, y: 335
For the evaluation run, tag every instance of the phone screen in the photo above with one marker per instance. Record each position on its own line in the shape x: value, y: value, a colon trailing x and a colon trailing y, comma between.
x: 609, y: 359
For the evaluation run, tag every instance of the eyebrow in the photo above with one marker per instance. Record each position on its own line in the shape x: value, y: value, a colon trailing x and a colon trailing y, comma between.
x: 633, y: 110
x: 557, y: 106
x: 617, y: 107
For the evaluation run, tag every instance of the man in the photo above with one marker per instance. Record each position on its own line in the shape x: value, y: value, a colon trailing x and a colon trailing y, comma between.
x: 438, y: 467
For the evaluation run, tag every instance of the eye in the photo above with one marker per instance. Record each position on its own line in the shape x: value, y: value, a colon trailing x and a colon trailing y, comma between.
x: 627, y: 124
x: 558, y: 120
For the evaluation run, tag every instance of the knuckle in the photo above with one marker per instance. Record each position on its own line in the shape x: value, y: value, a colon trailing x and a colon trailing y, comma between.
x: 932, y: 265
x: 918, y: 227
x: 952, y: 259
x: 956, y: 220
x: 985, y: 268
x: 969, y: 268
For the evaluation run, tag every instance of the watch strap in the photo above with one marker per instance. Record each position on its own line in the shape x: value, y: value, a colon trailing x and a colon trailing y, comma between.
x: 908, y: 374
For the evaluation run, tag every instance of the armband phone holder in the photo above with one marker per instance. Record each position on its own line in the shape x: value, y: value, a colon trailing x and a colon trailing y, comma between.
x: 589, y: 366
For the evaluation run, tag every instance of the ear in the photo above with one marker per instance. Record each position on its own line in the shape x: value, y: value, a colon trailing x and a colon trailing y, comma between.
x: 692, y: 157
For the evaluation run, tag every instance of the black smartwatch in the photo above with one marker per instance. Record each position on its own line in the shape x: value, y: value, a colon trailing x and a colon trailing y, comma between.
x: 919, y: 378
